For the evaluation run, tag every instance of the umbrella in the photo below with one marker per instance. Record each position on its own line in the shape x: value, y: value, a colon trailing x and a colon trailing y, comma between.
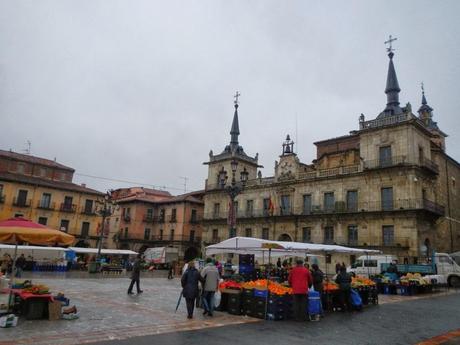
x: 15, y: 230
x: 178, y: 301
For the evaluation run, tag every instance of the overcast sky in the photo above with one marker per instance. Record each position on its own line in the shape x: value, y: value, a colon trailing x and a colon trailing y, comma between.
x: 142, y: 90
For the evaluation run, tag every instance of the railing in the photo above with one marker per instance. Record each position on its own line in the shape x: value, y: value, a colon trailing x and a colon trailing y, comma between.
x: 126, y: 218
x: 21, y: 202
x: 71, y: 208
x: 88, y: 211
x: 214, y: 240
x: 386, y: 121
x: 46, y: 206
x: 428, y: 164
x: 2, y: 199
x: 172, y: 218
x: 387, y: 162
x: 148, y: 218
x: 196, y: 219
x: 339, y: 207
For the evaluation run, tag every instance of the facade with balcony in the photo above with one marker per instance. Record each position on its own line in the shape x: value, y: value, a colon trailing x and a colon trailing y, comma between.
x: 389, y: 185
x: 42, y: 190
x: 152, y: 218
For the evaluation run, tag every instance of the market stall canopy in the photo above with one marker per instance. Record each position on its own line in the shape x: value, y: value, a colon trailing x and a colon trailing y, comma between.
x: 38, y: 253
x: 18, y: 229
x: 81, y: 250
x: 249, y: 245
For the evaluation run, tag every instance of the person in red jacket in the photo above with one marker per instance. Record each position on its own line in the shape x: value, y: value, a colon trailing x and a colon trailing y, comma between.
x: 300, y: 280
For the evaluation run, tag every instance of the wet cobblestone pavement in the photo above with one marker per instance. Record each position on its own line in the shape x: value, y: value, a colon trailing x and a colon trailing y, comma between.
x: 107, y: 313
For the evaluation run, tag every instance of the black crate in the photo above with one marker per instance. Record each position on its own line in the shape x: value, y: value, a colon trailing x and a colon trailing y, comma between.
x: 259, y: 302
x: 276, y: 316
x: 35, y: 308
x: 234, y: 311
x: 247, y: 292
x: 247, y: 301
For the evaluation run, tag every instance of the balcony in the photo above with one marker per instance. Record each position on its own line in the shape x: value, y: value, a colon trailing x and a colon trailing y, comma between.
x: 386, y: 121
x: 70, y: 208
x: 195, y: 220
x: 19, y: 202
x: 46, y: 206
x: 88, y: 211
x: 339, y: 207
x: 429, y: 165
x: 148, y: 218
x: 126, y: 218
x: 2, y: 199
x: 172, y: 219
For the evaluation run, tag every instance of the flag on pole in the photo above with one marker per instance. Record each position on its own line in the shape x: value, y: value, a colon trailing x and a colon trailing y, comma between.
x: 271, y: 207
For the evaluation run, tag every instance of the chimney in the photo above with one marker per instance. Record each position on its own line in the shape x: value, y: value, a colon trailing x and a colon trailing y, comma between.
x: 83, y: 185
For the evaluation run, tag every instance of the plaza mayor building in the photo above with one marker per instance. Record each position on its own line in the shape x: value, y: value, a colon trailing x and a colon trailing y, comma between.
x: 388, y: 185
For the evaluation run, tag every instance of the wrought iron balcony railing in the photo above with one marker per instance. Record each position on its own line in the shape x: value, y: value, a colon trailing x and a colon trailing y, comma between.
x: 19, y: 202
x: 46, y: 205
x: 71, y: 208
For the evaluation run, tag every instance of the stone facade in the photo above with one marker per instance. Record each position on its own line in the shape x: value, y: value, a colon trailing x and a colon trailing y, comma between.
x: 389, y: 185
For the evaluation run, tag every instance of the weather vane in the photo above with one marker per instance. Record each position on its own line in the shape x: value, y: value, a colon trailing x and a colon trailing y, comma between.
x: 423, y: 87
x: 389, y: 42
x: 237, y: 94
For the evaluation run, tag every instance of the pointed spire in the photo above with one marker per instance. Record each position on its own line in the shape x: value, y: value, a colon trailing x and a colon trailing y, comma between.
x: 425, y: 108
x: 392, y: 87
x: 235, y: 130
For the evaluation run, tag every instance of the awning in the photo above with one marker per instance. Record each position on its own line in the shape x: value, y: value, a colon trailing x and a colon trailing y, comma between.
x: 249, y: 245
x: 81, y: 250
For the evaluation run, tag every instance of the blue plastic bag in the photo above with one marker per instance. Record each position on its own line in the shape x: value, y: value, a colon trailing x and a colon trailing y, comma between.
x: 314, y: 303
x: 356, y: 300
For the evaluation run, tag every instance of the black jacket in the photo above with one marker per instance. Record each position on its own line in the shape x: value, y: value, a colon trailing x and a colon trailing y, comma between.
x: 136, y: 273
x: 318, y: 277
x: 189, y: 282
x: 344, y: 280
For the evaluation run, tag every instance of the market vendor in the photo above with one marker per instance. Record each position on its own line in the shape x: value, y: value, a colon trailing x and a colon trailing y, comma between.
x: 300, y: 280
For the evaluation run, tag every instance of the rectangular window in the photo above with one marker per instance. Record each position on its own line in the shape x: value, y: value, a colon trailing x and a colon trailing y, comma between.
x: 215, y: 235
x: 387, y: 199
x: 266, y: 206
x: 171, y: 235
x: 388, y: 234
x: 89, y: 206
x: 285, y: 205
x: 235, y: 207
x: 21, y: 168
x: 328, y: 258
x: 21, y: 199
x: 64, y: 225
x: 248, y: 232
x: 249, y: 208
x: 352, y: 201
x: 67, y: 205
x: 173, y: 215
x: 329, y: 202
x: 232, y: 233
x: 306, y: 204
x: 149, y: 213
x: 84, y: 229
x: 352, y: 235
x: 45, y: 201
x: 42, y: 220
x: 161, y: 234
x: 147, y: 234
x: 306, y: 235
x: 126, y: 232
x: 329, y: 235
x: 192, y: 235
x: 385, y: 156
x: 162, y: 215
x: 265, y: 233
x: 43, y: 172
x: 216, y: 210
x: 193, y: 218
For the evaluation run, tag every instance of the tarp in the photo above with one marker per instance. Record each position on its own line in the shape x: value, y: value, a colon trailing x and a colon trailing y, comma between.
x: 18, y: 229
x: 81, y: 250
x: 249, y: 245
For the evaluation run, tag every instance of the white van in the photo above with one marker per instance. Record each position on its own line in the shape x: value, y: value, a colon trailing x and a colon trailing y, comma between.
x: 368, y: 265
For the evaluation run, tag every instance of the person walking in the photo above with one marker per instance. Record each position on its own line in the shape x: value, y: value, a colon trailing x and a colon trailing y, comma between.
x: 300, y: 280
x: 20, y: 264
x: 210, y: 275
x: 343, y: 279
x: 6, y: 262
x: 189, y: 282
x: 170, y: 271
x: 136, y: 275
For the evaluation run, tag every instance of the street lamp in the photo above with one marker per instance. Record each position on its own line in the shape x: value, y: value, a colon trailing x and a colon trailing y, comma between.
x: 233, y: 190
x: 105, y: 207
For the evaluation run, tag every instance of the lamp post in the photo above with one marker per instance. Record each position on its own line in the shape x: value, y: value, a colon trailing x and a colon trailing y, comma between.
x: 233, y: 190
x: 105, y: 208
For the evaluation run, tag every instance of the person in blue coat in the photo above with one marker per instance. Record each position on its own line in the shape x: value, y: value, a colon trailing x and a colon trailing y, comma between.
x: 189, y: 282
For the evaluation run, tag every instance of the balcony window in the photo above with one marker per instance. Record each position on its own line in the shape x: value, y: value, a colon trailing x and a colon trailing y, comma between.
x: 64, y: 225
x: 388, y: 234
x: 249, y: 208
x: 45, y: 201
x: 171, y: 235
x: 126, y: 232
x: 162, y: 215
x: 21, y: 168
x: 88, y: 207
x: 161, y: 234
x: 173, y: 215
x: 385, y: 156
x: 329, y: 235
x: 43, y: 172
x: 21, y: 200
x: 67, y: 205
x: 193, y: 218
x: 387, y: 199
x: 352, y: 201
x: 306, y: 235
x: 285, y: 205
x: 266, y: 206
x: 84, y: 229
x: 147, y: 234
x: 42, y: 220
x: 216, y: 210
x: 149, y: 214
x: 329, y: 202
x: 306, y: 204
x: 192, y: 235
x: 265, y: 233
x: 232, y: 233
x: 215, y: 235
x: 248, y: 232
x: 352, y: 234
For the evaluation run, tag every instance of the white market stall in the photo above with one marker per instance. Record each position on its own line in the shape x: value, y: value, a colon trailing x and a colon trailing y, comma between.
x: 37, y: 252
x: 81, y: 250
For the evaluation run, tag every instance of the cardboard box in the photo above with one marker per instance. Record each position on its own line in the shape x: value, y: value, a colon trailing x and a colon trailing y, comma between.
x: 54, y: 310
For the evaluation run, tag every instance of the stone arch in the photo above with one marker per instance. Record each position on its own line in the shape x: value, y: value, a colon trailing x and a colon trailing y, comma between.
x: 285, y: 237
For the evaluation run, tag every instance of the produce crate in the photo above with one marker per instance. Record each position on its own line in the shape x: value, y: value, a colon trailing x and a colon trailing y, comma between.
x: 373, y: 296
x: 234, y: 304
x: 35, y: 308
x: 260, y: 293
x: 247, y: 292
x: 259, y: 302
x: 276, y: 316
x: 235, y: 311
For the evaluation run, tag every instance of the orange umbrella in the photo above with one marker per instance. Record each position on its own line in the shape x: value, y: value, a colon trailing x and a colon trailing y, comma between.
x: 16, y: 230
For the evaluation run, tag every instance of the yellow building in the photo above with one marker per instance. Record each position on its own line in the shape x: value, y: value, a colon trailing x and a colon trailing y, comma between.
x: 42, y: 190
